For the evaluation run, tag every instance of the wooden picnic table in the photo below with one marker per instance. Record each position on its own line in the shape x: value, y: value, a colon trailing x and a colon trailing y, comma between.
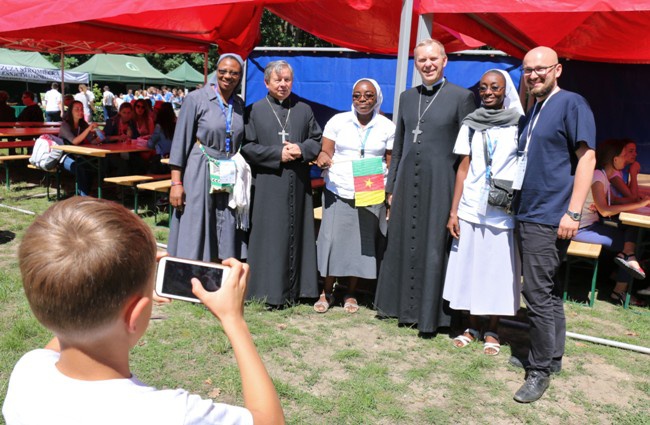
x: 638, y: 218
x: 25, y: 124
x: 94, y: 153
x: 27, y: 133
x: 8, y: 158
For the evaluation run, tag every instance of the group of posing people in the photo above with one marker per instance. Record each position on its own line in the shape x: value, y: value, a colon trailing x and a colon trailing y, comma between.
x: 437, y: 167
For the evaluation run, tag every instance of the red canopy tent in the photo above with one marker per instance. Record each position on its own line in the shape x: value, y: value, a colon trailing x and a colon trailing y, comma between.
x: 596, y: 30
x: 167, y: 26
x: 134, y: 26
x: 589, y: 30
x: 364, y: 25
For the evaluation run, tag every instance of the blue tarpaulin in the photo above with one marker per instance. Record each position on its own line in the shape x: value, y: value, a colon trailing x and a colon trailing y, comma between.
x: 616, y: 92
x: 325, y: 79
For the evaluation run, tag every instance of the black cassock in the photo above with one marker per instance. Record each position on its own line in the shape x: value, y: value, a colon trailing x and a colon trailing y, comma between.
x: 282, y: 246
x: 421, y: 179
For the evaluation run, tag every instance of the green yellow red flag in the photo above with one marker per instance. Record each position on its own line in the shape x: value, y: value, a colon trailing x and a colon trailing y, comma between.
x: 369, y: 186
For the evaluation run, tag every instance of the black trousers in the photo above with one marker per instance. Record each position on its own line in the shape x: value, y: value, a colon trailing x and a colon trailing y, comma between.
x: 542, y: 253
x: 53, y: 116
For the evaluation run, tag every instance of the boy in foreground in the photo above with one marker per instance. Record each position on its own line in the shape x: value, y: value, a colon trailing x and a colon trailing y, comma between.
x: 88, y: 270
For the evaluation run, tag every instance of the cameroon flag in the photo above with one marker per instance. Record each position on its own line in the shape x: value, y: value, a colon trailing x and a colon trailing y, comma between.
x: 368, y: 176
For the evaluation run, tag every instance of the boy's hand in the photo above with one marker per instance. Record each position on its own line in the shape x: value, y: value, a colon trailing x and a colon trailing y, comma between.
x: 228, y: 302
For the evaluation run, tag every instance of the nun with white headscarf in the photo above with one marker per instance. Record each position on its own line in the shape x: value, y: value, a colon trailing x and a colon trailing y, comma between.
x: 209, y: 132
x: 484, y: 270
x: 351, y: 236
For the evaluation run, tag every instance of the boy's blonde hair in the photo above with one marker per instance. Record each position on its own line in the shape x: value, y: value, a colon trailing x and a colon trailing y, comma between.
x: 81, y: 260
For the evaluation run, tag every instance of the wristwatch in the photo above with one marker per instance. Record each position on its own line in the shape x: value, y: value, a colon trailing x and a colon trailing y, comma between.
x: 575, y: 216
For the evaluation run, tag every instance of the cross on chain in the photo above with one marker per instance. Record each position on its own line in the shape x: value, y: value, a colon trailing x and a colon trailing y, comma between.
x: 416, y: 133
x: 283, y: 134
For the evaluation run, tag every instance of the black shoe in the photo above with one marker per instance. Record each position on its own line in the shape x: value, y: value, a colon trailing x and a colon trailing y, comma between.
x: 534, y: 387
x: 556, y: 365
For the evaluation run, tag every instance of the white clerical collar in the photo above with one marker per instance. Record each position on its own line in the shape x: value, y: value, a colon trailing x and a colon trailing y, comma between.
x: 431, y: 86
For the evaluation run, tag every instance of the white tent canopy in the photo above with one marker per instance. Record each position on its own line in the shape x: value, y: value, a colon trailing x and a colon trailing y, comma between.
x: 40, y: 75
x: 33, y: 68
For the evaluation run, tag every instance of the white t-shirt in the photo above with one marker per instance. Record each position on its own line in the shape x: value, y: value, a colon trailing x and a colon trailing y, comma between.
x: 344, y: 129
x: 108, y: 98
x: 39, y: 394
x: 590, y: 217
x: 504, y: 166
x: 52, y: 100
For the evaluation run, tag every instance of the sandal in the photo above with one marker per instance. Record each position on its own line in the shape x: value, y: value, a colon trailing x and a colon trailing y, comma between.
x: 350, y: 305
x: 620, y: 297
x: 463, y: 340
x: 623, y: 260
x: 491, y: 348
x: 323, y: 303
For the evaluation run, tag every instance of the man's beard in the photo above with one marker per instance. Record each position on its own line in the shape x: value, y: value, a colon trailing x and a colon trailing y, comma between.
x: 542, y: 92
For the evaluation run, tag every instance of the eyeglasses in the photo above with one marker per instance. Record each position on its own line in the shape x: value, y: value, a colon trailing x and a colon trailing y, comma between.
x: 223, y: 72
x: 483, y: 89
x: 539, y: 70
x: 368, y: 95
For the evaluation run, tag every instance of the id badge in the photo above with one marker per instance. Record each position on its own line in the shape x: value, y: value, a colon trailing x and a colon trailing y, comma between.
x: 227, y: 171
x: 521, y: 171
x: 483, y: 200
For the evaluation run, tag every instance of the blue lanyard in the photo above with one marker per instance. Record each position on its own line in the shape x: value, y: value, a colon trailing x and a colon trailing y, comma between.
x: 362, y: 150
x: 491, y: 147
x: 228, y: 116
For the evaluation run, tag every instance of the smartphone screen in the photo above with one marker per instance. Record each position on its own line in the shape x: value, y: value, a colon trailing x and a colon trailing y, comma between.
x: 177, y: 276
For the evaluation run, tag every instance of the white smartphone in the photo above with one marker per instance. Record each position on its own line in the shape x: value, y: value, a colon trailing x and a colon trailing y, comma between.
x: 174, y: 275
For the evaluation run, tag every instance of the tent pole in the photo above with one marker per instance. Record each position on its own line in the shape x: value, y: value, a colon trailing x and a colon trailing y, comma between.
x: 425, y: 30
x: 243, y: 80
x: 205, y: 68
x: 402, y: 52
x: 62, y: 82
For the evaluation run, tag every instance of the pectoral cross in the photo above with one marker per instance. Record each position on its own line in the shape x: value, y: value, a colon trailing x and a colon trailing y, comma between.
x: 416, y: 133
x: 283, y: 134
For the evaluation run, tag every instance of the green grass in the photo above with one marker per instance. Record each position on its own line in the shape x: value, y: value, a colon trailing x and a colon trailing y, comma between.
x: 337, y: 368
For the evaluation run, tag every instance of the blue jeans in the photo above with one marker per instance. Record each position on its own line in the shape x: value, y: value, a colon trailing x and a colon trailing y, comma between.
x: 611, y: 238
x: 53, y: 116
x: 82, y: 172
x: 109, y: 112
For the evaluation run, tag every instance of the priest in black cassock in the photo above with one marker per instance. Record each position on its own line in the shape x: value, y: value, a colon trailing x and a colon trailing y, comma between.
x: 282, y: 137
x: 420, y: 187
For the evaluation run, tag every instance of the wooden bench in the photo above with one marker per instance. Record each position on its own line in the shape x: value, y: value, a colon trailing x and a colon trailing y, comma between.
x: 585, y: 253
x: 133, y: 181
x: 161, y: 186
x: 5, y: 160
x: 24, y: 145
x: 48, y: 175
x: 318, y: 213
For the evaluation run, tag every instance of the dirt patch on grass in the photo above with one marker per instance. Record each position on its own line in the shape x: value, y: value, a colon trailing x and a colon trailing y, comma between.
x: 330, y: 348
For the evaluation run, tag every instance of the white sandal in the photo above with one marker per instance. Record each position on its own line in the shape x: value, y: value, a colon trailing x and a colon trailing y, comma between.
x: 464, y: 340
x: 491, y: 345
